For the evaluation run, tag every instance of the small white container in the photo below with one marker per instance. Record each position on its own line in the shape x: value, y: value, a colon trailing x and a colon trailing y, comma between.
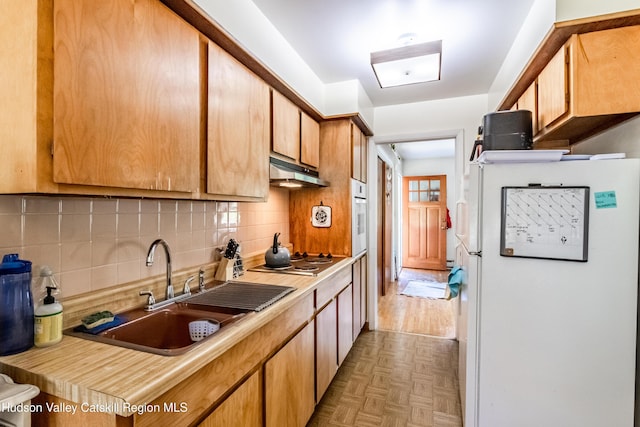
x: 200, y: 329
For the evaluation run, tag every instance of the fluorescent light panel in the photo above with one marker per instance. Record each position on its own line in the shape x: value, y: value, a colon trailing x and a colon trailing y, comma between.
x: 410, y: 64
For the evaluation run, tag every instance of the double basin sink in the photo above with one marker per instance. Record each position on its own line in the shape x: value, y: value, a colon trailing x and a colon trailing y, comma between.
x: 165, y: 331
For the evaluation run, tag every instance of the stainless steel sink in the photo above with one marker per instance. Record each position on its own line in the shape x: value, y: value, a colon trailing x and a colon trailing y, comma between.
x: 165, y: 331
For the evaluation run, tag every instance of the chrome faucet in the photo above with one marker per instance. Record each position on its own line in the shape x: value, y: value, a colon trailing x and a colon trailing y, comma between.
x: 151, y: 253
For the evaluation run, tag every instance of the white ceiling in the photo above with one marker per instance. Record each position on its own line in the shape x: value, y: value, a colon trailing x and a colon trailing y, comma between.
x: 335, y: 38
x: 420, y: 150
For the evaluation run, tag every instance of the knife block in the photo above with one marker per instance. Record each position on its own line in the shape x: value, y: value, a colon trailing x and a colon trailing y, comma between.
x: 225, y: 270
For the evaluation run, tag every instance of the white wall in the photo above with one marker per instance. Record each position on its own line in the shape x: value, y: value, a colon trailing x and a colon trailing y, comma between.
x: 574, y: 9
x: 385, y: 152
x: 624, y: 138
x: 446, y: 118
x: 348, y: 97
x: 253, y: 31
x: 535, y: 27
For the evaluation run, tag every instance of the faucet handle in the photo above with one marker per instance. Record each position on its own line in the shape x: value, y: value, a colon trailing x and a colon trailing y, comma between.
x: 151, y: 299
x: 201, y: 280
x: 187, y: 289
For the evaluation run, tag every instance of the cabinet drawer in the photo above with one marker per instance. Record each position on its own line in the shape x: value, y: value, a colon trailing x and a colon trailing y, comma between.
x: 330, y: 287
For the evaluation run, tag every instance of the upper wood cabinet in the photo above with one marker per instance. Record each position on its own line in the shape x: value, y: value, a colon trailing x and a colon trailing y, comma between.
x: 286, y: 127
x: 589, y: 84
x: 553, y: 90
x: 309, y: 141
x: 295, y: 135
x: 238, y: 128
x: 126, y: 96
x: 529, y: 101
x: 358, y: 154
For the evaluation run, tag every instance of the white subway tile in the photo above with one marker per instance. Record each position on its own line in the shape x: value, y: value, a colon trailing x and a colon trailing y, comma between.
x: 11, y: 205
x: 42, y: 205
x: 41, y: 229
x: 75, y: 228
x: 128, y: 225
x: 75, y: 256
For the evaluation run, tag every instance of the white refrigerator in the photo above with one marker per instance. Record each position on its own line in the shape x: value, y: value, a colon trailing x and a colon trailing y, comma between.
x: 548, y: 329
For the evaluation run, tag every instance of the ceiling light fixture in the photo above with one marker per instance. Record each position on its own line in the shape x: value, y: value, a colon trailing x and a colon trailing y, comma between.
x: 417, y: 63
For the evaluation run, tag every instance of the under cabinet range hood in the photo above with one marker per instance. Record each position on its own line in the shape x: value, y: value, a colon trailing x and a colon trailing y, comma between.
x: 284, y: 174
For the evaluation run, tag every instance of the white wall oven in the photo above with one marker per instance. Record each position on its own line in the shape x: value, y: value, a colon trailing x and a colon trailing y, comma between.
x: 358, y: 217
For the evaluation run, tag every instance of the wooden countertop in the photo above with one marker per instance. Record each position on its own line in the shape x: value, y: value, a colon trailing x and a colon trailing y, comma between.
x: 117, y: 379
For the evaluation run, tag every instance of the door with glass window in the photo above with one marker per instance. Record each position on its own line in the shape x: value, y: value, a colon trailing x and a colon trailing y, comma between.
x: 424, y: 237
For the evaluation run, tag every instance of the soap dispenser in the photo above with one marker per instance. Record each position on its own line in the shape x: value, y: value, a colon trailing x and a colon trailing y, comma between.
x: 48, y: 315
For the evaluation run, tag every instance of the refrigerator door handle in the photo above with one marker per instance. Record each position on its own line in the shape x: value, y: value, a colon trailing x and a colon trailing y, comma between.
x: 474, y: 253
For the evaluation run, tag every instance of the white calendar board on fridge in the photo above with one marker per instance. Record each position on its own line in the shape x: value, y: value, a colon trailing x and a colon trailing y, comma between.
x: 545, y: 222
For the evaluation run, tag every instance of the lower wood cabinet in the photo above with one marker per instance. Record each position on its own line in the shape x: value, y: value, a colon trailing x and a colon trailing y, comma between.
x: 345, y: 322
x: 334, y: 336
x: 362, y: 264
x: 242, y: 408
x: 289, y: 382
x: 359, y: 295
x: 326, y: 347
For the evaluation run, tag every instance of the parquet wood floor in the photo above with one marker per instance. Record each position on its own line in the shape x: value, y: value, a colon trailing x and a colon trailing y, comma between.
x: 396, y: 312
x: 394, y: 379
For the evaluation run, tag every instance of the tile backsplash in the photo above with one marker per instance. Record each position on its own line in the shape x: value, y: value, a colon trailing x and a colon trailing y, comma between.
x: 94, y: 243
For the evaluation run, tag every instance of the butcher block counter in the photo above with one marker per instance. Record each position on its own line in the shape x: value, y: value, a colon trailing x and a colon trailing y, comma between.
x: 83, y: 381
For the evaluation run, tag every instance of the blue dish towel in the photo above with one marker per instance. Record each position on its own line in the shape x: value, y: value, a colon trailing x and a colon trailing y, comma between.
x: 117, y: 320
x: 455, y: 281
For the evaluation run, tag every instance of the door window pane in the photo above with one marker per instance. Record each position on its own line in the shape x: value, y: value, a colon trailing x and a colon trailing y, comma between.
x: 413, y: 185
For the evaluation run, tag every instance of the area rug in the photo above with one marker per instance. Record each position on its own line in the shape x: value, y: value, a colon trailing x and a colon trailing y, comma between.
x: 421, y: 289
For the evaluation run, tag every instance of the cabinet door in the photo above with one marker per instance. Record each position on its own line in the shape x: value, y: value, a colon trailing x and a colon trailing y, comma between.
x: 242, y: 408
x: 357, y: 286
x: 309, y: 141
x: 604, y: 70
x: 364, y: 149
x: 238, y: 128
x: 126, y: 96
x: 289, y: 382
x: 356, y: 153
x: 553, y: 90
x: 345, y: 322
x: 363, y: 292
x: 326, y: 347
x: 529, y: 101
x: 286, y: 127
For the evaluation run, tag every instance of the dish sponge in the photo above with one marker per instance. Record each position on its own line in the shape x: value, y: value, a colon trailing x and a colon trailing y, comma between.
x: 97, y: 319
